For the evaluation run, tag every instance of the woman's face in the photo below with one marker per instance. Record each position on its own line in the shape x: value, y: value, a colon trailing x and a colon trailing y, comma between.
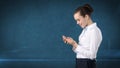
x: 82, y: 21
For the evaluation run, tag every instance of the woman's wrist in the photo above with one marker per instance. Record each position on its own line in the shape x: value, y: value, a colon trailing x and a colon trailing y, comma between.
x: 74, y: 44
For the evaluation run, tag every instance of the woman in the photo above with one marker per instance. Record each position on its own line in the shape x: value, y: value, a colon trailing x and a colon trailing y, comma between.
x: 89, y: 40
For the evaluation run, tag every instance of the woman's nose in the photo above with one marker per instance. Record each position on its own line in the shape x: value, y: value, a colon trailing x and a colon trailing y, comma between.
x: 77, y: 22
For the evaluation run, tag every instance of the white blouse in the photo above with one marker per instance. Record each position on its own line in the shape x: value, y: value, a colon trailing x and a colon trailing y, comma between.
x: 89, y: 42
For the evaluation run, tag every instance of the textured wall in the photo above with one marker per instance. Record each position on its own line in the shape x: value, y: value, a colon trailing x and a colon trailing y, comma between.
x: 31, y: 30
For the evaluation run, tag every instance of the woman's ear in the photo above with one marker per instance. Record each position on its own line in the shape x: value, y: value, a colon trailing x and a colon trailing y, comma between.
x: 87, y: 17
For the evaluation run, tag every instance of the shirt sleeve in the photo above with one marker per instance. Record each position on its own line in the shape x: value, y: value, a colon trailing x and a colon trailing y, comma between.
x: 94, y: 42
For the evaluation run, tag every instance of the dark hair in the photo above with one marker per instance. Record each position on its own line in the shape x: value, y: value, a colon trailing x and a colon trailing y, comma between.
x: 85, y: 9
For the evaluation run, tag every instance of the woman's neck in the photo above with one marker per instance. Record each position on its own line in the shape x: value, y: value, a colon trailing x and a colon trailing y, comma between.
x: 90, y: 22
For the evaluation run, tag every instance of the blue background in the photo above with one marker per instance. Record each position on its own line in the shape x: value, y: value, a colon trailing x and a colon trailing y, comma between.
x: 31, y: 33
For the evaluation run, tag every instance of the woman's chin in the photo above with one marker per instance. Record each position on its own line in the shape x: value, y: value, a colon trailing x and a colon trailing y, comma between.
x: 82, y: 27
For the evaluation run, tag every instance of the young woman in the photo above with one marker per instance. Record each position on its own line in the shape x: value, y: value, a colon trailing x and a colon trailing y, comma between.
x: 89, y: 40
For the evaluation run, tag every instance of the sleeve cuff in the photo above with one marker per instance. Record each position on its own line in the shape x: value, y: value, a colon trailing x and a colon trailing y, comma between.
x: 77, y: 49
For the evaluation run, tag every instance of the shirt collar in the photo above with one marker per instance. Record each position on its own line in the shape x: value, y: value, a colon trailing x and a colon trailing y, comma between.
x: 91, y: 26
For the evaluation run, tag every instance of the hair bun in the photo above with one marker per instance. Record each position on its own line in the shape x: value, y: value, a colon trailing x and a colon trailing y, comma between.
x: 88, y: 7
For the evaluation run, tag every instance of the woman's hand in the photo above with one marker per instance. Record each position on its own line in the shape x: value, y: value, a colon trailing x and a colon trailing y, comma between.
x: 64, y: 39
x: 69, y: 40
